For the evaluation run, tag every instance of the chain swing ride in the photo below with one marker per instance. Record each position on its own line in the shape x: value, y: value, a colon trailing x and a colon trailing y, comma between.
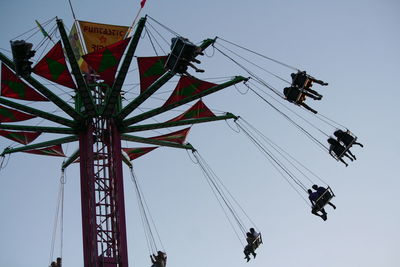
x: 103, y: 110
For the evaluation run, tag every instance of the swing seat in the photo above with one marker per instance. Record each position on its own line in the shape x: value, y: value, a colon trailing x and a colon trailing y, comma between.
x: 182, y: 52
x: 323, y: 199
x: 257, y: 241
x: 354, y: 139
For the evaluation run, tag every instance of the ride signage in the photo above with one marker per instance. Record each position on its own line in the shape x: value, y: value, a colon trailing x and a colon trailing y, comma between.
x: 97, y: 36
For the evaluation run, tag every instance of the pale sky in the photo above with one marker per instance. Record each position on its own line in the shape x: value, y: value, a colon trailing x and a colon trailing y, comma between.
x: 353, y: 45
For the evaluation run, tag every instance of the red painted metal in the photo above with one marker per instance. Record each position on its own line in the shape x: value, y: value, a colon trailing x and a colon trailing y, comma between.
x: 102, y: 193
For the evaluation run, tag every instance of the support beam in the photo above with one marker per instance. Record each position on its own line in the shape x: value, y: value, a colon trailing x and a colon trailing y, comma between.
x: 153, y: 88
x: 46, y: 92
x: 154, y: 126
x: 163, y: 109
x: 87, y: 99
x: 145, y: 95
x: 37, y: 112
x: 59, y: 141
x: 113, y: 94
x: 70, y: 160
x: 154, y: 142
x: 58, y: 130
x: 126, y: 160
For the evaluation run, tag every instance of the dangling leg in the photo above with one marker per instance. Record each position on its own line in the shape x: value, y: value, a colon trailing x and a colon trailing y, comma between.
x: 195, y: 68
x: 344, y: 162
x: 333, y: 206
x: 345, y: 154
x: 318, y: 81
x: 315, y: 93
x: 351, y: 154
x: 308, y: 107
x: 312, y: 96
x: 356, y: 143
x: 323, y: 215
x: 246, y: 252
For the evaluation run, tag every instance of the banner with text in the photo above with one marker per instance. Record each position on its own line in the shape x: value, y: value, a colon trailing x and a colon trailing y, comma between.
x: 97, y: 36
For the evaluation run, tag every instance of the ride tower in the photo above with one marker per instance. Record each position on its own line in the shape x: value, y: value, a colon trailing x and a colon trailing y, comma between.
x: 99, y: 123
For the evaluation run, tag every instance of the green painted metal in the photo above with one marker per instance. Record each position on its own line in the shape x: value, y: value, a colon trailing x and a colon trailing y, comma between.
x: 114, y: 94
x: 154, y: 126
x: 145, y: 95
x: 46, y: 92
x: 127, y: 160
x: 41, y: 145
x: 153, y: 88
x: 58, y: 130
x: 38, y: 113
x: 70, y: 160
x: 154, y: 142
x: 206, y: 43
x: 163, y: 109
x: 87, y: 99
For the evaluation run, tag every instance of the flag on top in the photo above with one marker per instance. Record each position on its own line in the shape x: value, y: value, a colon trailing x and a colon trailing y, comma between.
x: 45, y: 34
x: 142, y: 3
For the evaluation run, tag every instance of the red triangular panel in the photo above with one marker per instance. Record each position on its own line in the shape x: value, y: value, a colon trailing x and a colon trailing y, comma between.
x: 198, y: 110
x: 187, y: 87
x: 175, y: 137
x: 20, y: 137
x: 105, y: 61
x: 150, y: 69
x: 55, y: 150
x: 14, y: 87
x: 12, y: 115
x: 136, y: 152
x: 54, y: 68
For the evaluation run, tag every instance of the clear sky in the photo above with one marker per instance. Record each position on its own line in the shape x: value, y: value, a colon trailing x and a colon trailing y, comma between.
x: 353, y: 45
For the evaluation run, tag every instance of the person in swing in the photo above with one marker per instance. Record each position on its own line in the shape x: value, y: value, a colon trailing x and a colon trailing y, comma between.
x: 159, y: 260
x: 253, y: 241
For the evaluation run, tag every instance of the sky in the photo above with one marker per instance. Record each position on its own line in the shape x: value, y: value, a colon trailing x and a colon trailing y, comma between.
x: 353, y: 45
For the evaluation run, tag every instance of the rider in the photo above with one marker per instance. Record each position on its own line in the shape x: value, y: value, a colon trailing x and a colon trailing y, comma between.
x: 295, y: 95
x: 313, y: 197
x: 159, y: 260
x: 346, y: 138
x: 339, y: 150
x: 253, y: 241
x: 322, y: 191
x: 303, y: 80
x: 185, y: 53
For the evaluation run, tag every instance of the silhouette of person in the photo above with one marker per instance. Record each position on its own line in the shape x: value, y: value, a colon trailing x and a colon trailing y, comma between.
x: 321, y: 191
x: 346, y: 138
x: 185, y: 52
x: 303, y: 80
x: 159, y: 260
x: 313, y: 197
x: 296, y: 95
x: 56, y: 263
x: 253, y: 241
x: 339, y: 150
